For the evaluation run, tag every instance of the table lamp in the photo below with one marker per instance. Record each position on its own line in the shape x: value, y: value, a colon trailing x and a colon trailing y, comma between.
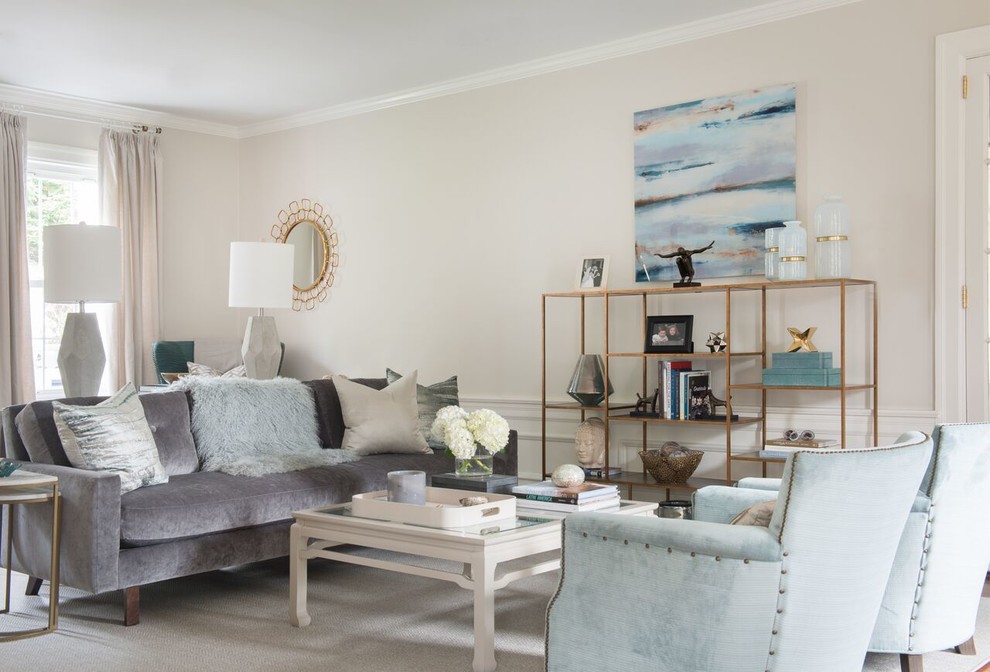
x: 261, y: 277
x: 82, y: 263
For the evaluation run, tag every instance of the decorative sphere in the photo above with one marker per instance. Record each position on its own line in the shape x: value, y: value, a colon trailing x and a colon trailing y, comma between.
x: 567, y: 475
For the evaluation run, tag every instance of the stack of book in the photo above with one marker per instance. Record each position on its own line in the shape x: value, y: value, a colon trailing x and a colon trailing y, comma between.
x: 601, y: 472
x: 584, y: 497
x: 780, y: 449
x: 682, y: 389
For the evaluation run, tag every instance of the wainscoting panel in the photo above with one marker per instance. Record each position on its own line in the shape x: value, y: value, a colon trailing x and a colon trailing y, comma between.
x: 524, y: 416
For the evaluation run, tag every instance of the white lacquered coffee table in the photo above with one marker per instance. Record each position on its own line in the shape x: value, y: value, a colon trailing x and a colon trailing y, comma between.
x: 481, y: 549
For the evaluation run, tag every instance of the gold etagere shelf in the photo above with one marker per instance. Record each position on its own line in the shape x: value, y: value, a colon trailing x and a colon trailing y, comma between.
x: 614, y: 412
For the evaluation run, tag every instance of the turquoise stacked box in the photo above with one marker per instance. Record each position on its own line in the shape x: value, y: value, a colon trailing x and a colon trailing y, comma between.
x: 802, y: 369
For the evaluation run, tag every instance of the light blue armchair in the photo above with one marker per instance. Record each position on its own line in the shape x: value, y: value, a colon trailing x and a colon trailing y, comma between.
x: 668, y: 595
x: 934, y: 588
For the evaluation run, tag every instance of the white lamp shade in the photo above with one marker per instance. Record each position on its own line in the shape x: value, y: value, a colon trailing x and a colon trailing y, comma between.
x: 260, y: 275
x: 82, y: 263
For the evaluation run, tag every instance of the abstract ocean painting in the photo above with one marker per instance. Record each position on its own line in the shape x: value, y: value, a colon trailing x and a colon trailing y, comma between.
x: 719, y: 169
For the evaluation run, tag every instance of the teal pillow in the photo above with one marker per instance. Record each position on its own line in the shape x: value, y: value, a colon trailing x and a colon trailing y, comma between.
x: 430, y: 399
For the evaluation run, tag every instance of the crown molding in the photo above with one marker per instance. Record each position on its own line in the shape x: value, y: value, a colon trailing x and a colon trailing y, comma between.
x: 762, y: 14
x: 74, y: 108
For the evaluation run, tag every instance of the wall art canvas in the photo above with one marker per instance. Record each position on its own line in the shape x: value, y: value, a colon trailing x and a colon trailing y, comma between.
x: 720, y: 169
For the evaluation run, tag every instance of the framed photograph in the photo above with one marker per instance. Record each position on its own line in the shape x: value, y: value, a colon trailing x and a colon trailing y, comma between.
x: 592, y: 274
x: 669, y: 333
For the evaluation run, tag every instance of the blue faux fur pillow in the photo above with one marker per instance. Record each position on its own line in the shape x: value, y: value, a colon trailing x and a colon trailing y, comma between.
x: 249, y: 427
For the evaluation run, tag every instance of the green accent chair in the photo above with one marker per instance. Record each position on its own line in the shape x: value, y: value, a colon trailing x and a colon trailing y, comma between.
x: 648, y: 594
x: 171, y: 356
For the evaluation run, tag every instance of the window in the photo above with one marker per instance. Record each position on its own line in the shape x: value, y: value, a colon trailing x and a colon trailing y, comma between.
x: 61, y: 189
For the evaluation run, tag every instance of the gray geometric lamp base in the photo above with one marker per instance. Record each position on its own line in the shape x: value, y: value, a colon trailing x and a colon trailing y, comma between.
x: 588, y: 385
x: 262, y: 351
x: 80, y: 356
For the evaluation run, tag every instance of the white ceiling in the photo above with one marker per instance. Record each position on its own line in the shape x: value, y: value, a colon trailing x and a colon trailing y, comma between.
x: 244, y: 63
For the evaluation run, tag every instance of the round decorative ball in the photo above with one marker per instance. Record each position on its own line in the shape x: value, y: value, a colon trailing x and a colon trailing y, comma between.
x: 567, y: 475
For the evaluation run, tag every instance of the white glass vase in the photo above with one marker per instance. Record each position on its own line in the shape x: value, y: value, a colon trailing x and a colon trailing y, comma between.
x: 772, y: 256
x: 832, y: 255
x: 793, y: 252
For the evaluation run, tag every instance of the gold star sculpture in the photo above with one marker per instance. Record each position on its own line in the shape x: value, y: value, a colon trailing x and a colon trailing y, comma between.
x: 802, y: 339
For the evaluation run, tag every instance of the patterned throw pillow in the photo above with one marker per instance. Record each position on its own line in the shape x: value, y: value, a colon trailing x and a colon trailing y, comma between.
x: 758, y: 514
x: 430, y: 399
x: 208, y: 371
x: 111, y: 436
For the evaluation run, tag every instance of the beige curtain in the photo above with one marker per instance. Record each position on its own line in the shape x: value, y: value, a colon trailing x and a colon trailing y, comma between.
x: 130, y: 169
x: 16, y: 368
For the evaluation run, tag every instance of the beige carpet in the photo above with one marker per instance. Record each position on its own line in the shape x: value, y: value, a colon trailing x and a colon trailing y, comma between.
x: 363, y: 619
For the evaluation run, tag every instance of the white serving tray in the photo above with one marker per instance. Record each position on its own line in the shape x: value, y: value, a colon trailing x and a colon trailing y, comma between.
x: 442, y: 509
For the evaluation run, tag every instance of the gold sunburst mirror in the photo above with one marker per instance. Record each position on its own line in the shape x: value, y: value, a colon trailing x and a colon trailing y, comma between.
x: 307, y: 225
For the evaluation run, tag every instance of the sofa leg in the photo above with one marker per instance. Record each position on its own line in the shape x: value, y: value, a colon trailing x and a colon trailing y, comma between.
x: 33, y: 585
x: 132, y: 605
x: 912, y: 663
x: 967, y: 648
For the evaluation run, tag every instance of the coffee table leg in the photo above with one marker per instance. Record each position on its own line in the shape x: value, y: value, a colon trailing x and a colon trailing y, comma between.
x: 298, y: 565
x: 483, y: 574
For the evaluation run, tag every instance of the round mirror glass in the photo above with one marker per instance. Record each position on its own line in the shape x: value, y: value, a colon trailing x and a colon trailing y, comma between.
x: 310, y: 254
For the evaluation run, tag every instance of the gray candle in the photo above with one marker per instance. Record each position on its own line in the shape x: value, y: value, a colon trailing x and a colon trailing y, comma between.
x: 407, y: 486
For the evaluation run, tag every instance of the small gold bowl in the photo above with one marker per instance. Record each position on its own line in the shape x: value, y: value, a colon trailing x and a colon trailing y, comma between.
x: 172, y: 377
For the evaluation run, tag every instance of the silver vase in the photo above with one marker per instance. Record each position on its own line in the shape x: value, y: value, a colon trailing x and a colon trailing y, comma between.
x: 588, y: 382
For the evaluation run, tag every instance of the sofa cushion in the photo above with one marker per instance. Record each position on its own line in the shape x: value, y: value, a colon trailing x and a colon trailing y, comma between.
x: 168, y: 417
x: 328, y: 414
x: 429, y: 400
x: 113, y: 436
x: 381, y: 421
x: 206, y: 502
x: 167, y: 414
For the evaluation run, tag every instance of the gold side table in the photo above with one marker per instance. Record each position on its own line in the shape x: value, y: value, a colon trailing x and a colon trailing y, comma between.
x: 25, y: 487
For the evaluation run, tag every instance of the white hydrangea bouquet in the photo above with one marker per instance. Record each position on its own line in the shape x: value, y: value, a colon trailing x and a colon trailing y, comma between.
x: 464, y: 432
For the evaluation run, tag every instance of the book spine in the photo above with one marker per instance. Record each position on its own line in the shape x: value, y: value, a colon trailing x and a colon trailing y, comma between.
x: 600, y: 503
x: 608, y: 492
x: 665, y: 390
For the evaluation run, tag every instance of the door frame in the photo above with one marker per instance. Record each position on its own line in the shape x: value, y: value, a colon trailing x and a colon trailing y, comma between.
x: 952, y: 50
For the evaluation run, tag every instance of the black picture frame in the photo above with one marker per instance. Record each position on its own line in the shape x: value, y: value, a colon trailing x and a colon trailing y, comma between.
x: 669, y: 333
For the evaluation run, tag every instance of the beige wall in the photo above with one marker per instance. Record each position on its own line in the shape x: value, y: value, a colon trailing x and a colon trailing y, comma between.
x: 199, y: 213
x: 456, y: 213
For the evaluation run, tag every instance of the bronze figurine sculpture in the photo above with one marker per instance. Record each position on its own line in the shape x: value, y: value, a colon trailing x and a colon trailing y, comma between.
x: 684, y: 264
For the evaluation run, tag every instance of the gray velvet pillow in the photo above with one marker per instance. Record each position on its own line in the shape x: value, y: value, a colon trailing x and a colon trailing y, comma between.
x: 380, y: 421
x: 429, y: 400
x: 36, y: 427
x: 168, y: 417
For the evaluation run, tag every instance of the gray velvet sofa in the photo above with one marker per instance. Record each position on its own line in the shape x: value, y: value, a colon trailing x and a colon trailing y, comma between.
x: 198, y: 521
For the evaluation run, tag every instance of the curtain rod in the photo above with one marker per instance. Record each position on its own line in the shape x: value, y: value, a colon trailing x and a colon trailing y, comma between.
x: 134, y: 126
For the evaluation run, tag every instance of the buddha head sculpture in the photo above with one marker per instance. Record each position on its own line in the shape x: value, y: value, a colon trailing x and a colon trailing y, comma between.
x: 589, y: 442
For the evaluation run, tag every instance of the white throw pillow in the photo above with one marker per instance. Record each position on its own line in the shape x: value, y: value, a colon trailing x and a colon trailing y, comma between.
x: 381, y: 421
x: 111, y: 436
x: 203, y: 370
